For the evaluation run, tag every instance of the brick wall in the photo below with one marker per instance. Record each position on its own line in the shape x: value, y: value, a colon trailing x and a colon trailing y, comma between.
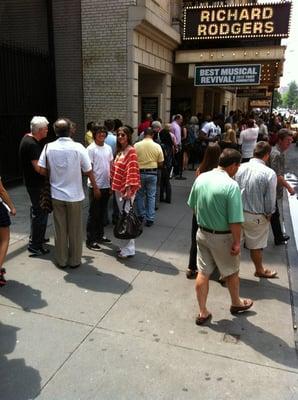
x: 104, y: 45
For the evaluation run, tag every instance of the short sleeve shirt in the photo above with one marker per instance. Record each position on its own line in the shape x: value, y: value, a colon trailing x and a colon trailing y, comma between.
x: 216, y: 199
x: 101, y: 158
x: 149, y: 154
x: 277, y: 163
x: 66, y: 159
x: 30, y: 149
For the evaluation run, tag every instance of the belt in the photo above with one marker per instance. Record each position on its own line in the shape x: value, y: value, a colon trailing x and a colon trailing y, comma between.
x: 148, y: 170
x: 253, y: 213
x: 213, y: 231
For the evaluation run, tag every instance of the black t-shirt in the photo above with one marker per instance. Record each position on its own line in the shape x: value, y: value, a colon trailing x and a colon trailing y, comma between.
x: 30, y: 149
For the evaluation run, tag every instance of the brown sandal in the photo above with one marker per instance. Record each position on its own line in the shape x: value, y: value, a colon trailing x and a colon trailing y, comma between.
x: 247, y: 304
x: 266, y: 274
x: 203, y: 320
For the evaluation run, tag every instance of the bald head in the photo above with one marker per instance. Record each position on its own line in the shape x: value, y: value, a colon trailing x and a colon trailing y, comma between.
x: 62, y: 127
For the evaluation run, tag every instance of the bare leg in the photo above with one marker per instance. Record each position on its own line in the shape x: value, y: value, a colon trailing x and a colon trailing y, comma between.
x: 4, y: 241
x: 257, y: 258
x: 202, y: 289
x: 233, y: 286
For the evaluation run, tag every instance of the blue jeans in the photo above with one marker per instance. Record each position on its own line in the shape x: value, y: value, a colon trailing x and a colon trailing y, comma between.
x: 145, y: 198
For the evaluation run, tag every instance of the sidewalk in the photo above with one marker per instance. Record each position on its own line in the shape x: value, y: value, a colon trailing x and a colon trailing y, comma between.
x: 125, y: 330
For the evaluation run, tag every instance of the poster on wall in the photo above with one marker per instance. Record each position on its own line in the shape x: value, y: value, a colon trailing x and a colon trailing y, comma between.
x: 149, y: 105
x: 227, y: 75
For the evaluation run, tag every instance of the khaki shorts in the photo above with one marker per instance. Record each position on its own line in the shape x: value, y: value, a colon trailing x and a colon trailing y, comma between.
x: 214, y: 251
x: 255, y: 231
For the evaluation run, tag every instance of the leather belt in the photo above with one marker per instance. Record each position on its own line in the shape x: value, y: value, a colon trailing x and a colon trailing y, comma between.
x: 213, y: 231
x: 148, y: 170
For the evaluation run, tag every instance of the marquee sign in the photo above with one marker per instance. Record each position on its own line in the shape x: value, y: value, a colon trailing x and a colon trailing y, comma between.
x: 227, y: 75
x: 237, y: 22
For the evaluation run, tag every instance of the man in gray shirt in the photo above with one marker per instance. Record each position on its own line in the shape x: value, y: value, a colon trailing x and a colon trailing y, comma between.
x: 257, y: 183
x: 277, y: 163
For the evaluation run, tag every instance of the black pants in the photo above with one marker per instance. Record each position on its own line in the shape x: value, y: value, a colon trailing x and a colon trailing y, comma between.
x: 96, y: 216
x: 165, y: 185
x: 192, y: 263
x: 38, y: 219
x: 275, y: 224
x: 178, y: 162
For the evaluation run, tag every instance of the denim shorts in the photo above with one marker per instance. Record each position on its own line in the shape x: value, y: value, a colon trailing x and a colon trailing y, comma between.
x: 4, y: 216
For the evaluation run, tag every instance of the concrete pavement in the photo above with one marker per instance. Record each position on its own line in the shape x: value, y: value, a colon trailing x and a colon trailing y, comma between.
x: 125, y: 330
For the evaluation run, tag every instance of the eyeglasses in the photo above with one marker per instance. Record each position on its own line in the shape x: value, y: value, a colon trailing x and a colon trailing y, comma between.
x: 121, y: 134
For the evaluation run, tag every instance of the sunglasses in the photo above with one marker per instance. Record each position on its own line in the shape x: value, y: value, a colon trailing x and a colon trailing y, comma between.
x: 121, y: 134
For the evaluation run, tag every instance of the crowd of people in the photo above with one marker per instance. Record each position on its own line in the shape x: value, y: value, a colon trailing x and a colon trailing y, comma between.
x: 238, y: 185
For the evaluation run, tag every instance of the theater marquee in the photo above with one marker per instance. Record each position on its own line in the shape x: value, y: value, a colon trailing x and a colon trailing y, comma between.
x: 236, y: 22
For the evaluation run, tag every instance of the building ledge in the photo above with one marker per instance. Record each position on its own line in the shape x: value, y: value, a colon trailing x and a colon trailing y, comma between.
x: 143, y: 20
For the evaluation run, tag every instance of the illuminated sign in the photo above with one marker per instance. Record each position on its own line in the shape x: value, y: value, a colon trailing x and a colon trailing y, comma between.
x: 227, y: 75
x: 252, y: 92
x: 260, y: 103
x: 236, y: 22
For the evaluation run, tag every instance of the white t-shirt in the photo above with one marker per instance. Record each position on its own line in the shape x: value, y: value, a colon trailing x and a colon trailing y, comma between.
x: 247, y: 140
x: 211, y: 129
x: 101, y: 158
x: 66, y: 161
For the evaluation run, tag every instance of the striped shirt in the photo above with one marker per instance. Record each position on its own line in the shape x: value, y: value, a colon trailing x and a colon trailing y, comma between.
x: 125, y: 172
x: 258, y: 187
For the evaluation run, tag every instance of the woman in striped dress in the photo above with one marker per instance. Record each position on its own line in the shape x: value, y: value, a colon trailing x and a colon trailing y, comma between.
x: 126, y: 182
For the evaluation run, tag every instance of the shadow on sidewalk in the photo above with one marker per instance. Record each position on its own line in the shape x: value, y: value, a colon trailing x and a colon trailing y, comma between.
x: 266, y: 289
x: 23, y: 295
x: 18, y: 381
x: 263, y: 342
x: 89, y: 277
x: 143, y: 262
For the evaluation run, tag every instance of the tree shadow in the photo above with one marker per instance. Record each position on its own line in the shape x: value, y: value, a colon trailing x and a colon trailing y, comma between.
x: 18, y: 381
x: 263, y: 342
x: 266, y: 289
x: 23, y: 295
x: 89, y: 277
x: 143, y: 262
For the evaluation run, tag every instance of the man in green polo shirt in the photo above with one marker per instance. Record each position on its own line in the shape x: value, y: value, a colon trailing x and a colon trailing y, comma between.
x: 216, y: 200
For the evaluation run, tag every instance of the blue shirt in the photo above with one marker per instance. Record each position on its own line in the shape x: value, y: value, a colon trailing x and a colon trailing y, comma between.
x: 111, y: 140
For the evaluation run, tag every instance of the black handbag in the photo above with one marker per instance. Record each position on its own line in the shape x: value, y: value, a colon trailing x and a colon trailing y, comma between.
x: 128, y: 226
x: 45, y: 199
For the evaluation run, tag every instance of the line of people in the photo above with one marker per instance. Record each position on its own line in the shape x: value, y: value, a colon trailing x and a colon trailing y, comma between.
x: 229, y: 200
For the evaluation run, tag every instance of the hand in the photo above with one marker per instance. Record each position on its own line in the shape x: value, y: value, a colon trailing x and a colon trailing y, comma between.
x: 97, y: 193
x: 291, y: 190
x: 13, y: 211
x: 235, y: 249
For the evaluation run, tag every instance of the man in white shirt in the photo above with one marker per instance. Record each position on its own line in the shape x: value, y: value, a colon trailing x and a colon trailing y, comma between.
x: 176, y: 129
x: 248, y: 139
x: 101, y: 157
x: 63, y: 160
x: 258, y: 190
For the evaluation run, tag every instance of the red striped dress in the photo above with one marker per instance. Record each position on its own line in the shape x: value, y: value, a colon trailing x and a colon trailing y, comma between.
x: 125, y: 173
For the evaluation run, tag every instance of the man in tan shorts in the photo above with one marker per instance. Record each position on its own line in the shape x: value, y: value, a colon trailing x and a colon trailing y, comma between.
x: 258, y: 190
x: 216, y: 200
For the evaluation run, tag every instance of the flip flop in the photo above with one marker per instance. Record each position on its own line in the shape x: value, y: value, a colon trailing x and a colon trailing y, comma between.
x: 238, y: 309
x: 266, y: 274
x: 203, y: 320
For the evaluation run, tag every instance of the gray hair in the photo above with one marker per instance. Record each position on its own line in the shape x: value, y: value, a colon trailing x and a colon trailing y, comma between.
x: 194, y: 120
x: 38, y: 123
x: 156, y: 124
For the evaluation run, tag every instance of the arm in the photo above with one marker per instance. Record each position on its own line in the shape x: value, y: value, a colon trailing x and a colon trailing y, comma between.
x: 5, y: 197
x: 236, y: 234
x: 281, y: 181
x: 96, y: 190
